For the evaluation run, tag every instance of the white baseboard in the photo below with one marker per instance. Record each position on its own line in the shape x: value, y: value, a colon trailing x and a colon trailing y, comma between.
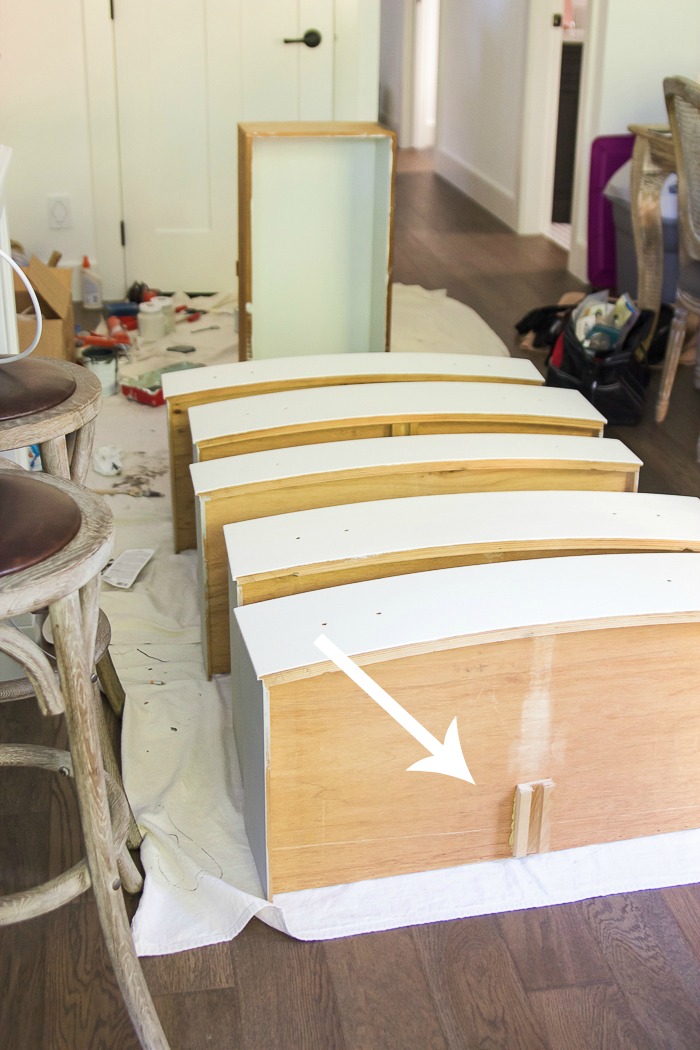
x: 481, y: 189
x: 578, y: 260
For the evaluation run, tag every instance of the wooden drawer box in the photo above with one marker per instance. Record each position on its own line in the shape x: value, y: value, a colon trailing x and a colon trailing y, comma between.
x: 554, y: 670
x: 315, y: 216
x: 203, y: 386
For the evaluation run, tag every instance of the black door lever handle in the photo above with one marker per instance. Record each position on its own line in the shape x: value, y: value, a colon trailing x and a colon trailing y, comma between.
x: 312, y: 38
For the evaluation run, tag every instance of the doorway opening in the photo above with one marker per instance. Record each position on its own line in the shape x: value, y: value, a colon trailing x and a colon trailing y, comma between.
x: 408, y: 71
x: 572, y: 44
x: 425, y: 73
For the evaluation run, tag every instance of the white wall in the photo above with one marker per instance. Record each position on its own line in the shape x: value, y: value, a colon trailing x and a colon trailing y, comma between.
x: 427, y: 42
x: 391, y: 63
x: 636, y: 45
x: 44, y: 120
x: 665, y: 41
x: 482, y: 64
x: 580, y: 14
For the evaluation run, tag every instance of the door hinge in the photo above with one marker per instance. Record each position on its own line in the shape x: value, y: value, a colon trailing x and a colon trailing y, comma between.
x: 122, y: 231
x: 111, y: 9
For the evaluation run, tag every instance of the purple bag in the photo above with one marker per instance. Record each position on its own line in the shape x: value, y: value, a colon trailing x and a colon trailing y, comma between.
x: 608, y: 153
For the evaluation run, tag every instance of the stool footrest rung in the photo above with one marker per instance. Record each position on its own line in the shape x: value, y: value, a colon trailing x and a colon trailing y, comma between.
x: 50, y: 895
x: 54, y: 893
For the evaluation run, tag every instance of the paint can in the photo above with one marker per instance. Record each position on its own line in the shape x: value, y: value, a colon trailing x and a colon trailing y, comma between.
x: 168, y: 308
x: 151, y: 320
x: 103, y: 362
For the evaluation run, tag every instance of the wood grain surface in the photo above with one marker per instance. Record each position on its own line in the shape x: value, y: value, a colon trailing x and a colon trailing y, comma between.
x: 623, y: 768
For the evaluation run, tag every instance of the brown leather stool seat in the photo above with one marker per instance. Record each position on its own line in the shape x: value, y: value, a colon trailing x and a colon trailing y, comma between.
x: 52, y: 404
x: 32, y: 385
x: 36, y: 521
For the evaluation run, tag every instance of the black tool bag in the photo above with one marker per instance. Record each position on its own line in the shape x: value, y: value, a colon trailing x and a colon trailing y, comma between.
x: 613, y: 380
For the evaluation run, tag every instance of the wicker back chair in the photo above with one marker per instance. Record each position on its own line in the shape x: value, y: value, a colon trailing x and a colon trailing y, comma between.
x: 683, y: 104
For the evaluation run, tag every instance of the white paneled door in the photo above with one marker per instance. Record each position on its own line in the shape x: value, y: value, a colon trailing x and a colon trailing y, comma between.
x: 287, y: 60
x: 187, y: 72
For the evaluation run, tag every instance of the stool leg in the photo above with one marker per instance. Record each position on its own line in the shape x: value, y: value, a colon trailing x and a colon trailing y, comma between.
x: 54, y: 457
x: 110, y: 684
x: 129, y: 873
x: 90, y: 610
x: 81, y: 451
x: 134, y: 838
x: 94, y: 812
x: 673, y: 353
x: 696, y: 367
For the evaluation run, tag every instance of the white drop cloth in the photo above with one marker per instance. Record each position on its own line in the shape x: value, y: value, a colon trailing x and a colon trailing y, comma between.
x: 427, y: 321
x: 180, y: 765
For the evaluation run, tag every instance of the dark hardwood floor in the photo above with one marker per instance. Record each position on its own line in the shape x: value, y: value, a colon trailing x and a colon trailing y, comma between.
x: 616, y: 973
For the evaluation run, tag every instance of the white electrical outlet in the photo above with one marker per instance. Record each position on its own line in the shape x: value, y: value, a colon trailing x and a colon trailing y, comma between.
x: 60, y: 217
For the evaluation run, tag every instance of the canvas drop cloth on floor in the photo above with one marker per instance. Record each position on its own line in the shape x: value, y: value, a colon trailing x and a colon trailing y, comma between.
x: 179, y: 756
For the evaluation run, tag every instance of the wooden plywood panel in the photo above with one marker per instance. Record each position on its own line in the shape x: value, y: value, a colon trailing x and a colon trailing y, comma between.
x: 594, y: 710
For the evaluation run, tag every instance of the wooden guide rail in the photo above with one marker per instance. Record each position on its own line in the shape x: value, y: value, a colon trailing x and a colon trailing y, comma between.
x: 311, y: 549
x: 239, y: 488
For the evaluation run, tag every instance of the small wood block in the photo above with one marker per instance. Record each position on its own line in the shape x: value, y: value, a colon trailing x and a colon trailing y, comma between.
x: 532, y: 817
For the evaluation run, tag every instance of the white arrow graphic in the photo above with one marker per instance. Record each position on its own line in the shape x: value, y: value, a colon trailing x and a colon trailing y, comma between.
x: 444, y: 758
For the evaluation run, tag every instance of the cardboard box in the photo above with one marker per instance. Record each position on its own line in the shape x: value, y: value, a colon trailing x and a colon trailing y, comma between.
x: 53, y: 289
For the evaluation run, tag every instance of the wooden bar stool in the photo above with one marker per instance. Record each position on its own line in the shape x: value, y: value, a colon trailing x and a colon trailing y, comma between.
x: 21, y: 688
x: 56, y: 539
x: 54, y: 404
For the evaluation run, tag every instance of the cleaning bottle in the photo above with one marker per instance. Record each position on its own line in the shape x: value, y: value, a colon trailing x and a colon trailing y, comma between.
x: 91, y: 286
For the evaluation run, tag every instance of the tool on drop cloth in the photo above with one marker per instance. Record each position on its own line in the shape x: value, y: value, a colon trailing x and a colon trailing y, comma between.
x: 117, y: 329
x: 138, y: 292
x: 123, y: 309
x: 88, y: 339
